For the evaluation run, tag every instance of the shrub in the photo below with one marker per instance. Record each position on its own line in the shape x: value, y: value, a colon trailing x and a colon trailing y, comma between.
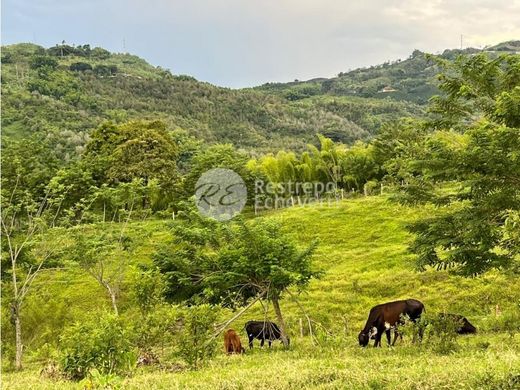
x: 508, y: 321
x: 80, y: 67
x: 103, y: 343
x: 38, y: 62
x: 442, y: 333
x: 148, y: 288
x: 156, y: 330
x: 196, y: 342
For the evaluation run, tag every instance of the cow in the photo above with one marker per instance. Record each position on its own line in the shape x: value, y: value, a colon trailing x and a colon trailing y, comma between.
x: 464, y: 326
x: 232, y: 342
x: 387, y: 316
x: 263, y: 330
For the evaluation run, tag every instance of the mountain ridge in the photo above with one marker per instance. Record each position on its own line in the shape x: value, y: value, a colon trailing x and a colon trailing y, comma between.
x: 63, y: 92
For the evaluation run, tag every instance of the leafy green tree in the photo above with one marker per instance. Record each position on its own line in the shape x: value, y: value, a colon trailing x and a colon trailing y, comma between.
x: 359, y: 166
x: 480, y: 161
x: 104, y: 256
x: 136, y: 150
x: 233, y: 263
x: 327, y: 159
x: 395, y: 146
x: 218, y: 156
x: 38, y: 62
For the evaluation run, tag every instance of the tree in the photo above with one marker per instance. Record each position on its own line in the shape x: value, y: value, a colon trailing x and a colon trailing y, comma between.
x: 234, y: 263
x: 395, y: 146
x: 328, y: 159
x: 105, y: 256
x: 46, y: 62
x: 474, y: 171
x: 218, y: 156
x: 80, y: 66
x: 138, y: 150
x: 29, y: 246
x: 359, y: 166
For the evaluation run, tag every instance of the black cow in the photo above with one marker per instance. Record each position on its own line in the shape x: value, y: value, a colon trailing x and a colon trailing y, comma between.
x: 465, y: 327
x: 384, y: 317
x: 263, y: 330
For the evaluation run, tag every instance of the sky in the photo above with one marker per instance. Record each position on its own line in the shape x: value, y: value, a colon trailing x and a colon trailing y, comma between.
x: 240, y: 43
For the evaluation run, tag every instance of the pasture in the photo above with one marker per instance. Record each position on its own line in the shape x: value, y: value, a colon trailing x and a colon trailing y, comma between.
x: 363, y: 253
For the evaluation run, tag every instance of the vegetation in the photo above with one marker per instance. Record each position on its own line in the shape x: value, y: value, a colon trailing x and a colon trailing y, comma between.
x: 481, y: 101
x: 365, y: 261
x: 100, y: 229
x: 233, y: 264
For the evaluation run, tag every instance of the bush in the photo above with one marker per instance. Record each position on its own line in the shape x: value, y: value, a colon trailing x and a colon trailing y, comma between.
x: 508, y: 321
x: 442, y: 333
x: 38, y: 62
x: 103, y: 343
x: 196, y: 342
x: 80, y: 67
x: 148, y: 288
x: 156, y: 329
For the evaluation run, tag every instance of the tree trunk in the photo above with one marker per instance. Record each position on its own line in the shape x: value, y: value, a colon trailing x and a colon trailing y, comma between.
x: 18, y: 336
x: 113, y: 298
x: 278, y: 312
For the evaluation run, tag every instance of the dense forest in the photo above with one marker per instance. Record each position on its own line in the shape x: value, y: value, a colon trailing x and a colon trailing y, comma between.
x: 101, y: 153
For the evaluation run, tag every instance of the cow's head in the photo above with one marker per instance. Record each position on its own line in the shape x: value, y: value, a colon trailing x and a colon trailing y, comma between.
x: 363, y: 338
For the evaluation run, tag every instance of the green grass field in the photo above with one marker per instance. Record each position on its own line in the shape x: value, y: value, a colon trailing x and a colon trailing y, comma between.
x: 363, y: 253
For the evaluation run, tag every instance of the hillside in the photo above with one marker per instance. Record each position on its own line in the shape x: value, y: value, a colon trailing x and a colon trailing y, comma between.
x: 65, y: 92
x: 362, y: 250
x: 411, y: 79
x: 79, y: 87
x: 65, y: 97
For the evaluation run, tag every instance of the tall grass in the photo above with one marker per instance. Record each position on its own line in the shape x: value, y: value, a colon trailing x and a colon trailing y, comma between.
x: 363, y: 253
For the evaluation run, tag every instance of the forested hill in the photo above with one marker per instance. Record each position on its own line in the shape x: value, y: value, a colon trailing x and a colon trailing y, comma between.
x: 412, y: 79
x: 63, y: 92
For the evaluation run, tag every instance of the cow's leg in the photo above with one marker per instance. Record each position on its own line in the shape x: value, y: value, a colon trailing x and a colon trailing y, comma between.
x: 270, y: 342
x: 379, y: 335
x: 396, y: 333
x: 262, y: 340
x: 250, y: 341
x: 421, y: 333
x: 388, y: 336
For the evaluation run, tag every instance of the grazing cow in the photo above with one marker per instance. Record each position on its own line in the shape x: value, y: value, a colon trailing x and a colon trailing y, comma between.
x: 232, y: 342
x: 465, y: 327
x: 384, y: 317
x: 263, y: 330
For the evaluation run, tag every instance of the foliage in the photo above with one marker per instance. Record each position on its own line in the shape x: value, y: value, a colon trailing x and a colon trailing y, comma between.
x: 217, y: 156
x: 482, y: 164
x: 441, y: 333
x: 231, y: 263
x: 158, y: 329
x: 101, y: 342
x: 148, y: 288
x: 73, y: 99
x: 196, y: 343
x: 348, y: 168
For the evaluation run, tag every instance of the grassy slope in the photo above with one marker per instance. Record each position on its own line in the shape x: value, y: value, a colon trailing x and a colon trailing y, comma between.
x: 363, y: 252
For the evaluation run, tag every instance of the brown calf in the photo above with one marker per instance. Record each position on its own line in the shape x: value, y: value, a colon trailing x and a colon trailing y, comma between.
x: 232, y: 342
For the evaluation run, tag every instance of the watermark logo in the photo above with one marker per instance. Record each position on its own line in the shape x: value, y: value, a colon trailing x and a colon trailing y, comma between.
x: 220, y: 194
